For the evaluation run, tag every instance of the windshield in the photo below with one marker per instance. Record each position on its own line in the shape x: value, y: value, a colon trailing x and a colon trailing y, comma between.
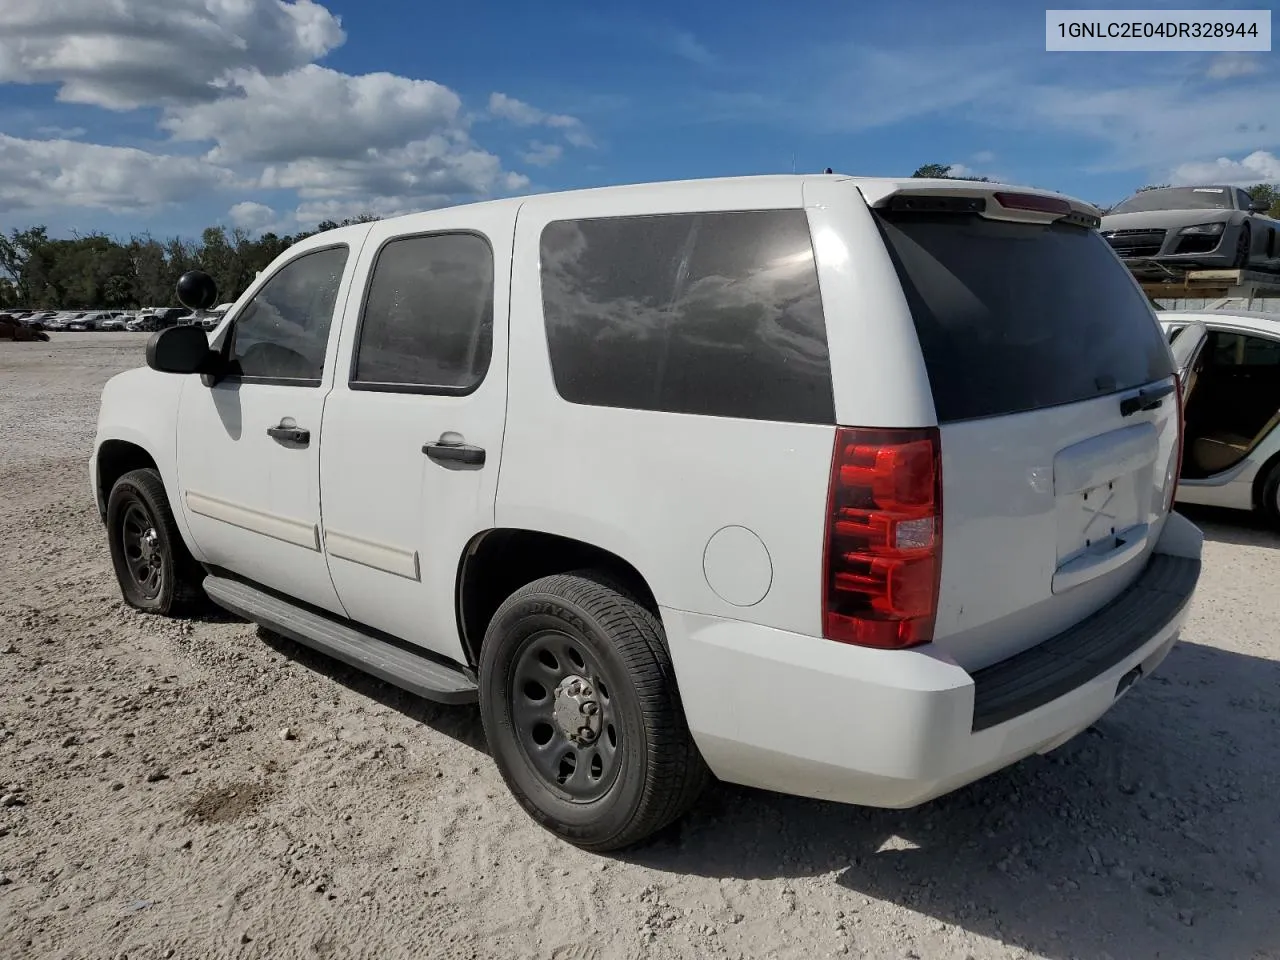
x: 1177, y: 198
x: 994, y: 343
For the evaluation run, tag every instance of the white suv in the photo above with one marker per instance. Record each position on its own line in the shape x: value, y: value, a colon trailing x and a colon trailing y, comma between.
x: 804, y: 481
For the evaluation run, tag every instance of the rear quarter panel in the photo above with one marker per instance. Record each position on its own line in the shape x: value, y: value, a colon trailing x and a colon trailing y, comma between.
x: 654, y: 487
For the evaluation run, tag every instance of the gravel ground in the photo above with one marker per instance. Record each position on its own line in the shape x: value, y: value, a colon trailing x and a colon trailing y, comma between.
x: 203, y: 789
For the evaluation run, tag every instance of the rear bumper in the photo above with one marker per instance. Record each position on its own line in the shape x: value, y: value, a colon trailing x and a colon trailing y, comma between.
x: 806, y: 716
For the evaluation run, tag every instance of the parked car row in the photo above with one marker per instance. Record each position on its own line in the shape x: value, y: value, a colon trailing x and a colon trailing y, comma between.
x: 148, y: 319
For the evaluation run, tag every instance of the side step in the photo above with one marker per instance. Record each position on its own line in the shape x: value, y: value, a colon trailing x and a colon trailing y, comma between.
x: 405, y: 669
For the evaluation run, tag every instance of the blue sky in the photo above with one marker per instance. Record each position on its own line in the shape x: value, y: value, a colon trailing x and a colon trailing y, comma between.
x: 169, y: 115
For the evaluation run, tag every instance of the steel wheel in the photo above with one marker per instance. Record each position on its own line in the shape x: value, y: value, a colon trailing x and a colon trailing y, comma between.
x: 155, y: 572
x: 143, y: 552
x: 566, y: 723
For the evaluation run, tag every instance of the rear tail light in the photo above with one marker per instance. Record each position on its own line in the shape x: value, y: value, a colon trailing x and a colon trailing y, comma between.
x: 884, y: 537
x: 1180, y: 424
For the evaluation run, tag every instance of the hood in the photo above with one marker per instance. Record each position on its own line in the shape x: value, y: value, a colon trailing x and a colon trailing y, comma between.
x: 1162, y: 219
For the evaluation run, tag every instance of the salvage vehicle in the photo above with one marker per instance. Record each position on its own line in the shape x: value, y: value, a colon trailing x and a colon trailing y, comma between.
x: 1222, y: 227
x: 19, y: 332
x: 798, y: 481
x: 1231, y: 384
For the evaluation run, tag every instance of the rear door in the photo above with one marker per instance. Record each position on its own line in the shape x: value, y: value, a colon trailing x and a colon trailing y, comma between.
x: 413, y: 428
x: 1054, y: 393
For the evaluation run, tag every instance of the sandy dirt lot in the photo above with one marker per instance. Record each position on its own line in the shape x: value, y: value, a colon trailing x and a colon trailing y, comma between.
x: 150, y: 805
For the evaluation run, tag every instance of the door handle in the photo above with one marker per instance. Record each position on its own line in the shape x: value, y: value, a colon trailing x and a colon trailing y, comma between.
x: 442, y: 451
x: 289, y: 432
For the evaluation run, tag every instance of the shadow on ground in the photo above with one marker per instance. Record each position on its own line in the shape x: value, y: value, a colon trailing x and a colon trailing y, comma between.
x: 459, y: 723
x: 1238, y: 527
x: 1154, y: 834
x: 1143, y: 837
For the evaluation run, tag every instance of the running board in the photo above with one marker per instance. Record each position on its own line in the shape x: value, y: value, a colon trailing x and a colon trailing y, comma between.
x: 405, y: 669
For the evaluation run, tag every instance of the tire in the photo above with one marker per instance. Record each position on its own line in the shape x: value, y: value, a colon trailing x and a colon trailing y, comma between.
x: 143, y: 536
x: 1244, y: 247
x: 1270, y: 500
x: 635, y: 767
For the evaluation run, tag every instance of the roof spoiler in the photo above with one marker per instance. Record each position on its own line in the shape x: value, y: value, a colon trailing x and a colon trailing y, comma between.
x: 994, y: 201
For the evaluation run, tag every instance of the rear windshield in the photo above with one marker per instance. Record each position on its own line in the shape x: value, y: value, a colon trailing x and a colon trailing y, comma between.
x: 1014, y: 317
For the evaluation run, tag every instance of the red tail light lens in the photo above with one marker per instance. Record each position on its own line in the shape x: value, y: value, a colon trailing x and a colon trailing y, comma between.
x: 1032, y: 201
x: 884, y: 537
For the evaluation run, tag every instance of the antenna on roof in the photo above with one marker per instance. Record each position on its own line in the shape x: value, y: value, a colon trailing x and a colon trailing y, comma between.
x: 828, y: 170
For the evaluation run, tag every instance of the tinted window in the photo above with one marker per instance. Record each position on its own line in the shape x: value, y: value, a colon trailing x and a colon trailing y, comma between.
x: 1242, y: 350
x: 1015, y: 317
x: 284, y: 330
x: 715, y: 314
x: 1177, y: 198
x: 428, y: 316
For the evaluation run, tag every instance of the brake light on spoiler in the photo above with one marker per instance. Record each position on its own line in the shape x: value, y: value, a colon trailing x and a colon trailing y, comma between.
x: 1050, y: 208
x: 883, y: 537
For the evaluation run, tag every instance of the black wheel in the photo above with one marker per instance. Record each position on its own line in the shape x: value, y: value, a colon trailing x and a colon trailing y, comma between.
x: 1244, y: 247
x: 155, y: 570
x: 580, y: 706
x: 1270, y: 500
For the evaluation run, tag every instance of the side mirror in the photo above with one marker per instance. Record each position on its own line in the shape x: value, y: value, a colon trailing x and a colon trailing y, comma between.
x: 1259, y: 206
x: 180, y: 350
x: 197, y: 291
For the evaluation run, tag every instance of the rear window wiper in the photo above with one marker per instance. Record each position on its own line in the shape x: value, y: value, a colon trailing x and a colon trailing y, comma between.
x: 1148, y: 398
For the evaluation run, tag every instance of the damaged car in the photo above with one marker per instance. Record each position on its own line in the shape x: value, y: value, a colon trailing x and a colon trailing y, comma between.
x: 1209, y: 227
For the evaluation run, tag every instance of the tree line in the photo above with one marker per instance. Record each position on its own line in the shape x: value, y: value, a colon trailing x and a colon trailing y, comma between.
x: 100, y: 272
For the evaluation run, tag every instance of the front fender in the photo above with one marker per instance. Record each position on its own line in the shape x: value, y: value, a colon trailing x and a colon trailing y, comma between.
x: 140, y: 407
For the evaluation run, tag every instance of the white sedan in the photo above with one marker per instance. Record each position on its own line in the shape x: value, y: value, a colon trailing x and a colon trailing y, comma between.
x: 1230, y: 366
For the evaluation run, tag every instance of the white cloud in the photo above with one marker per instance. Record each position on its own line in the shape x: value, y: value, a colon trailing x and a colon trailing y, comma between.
x: 686, y: 46
x: 1153, y: 124
x: 315, y: 112
x: 1260, y: 166
x: 252, y: 216
x: 122, y: 54
x: 542, y: 154
x: 418, y: 175
x: 41, y: 174
x: 1230, y: 65
x: 526, y: 115
x: 983, y: 156
x: 517, y: 111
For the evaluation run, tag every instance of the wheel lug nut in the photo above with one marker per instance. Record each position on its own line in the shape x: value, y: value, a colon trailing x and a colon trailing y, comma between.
x: 590, y: 709
x: 585, y: 733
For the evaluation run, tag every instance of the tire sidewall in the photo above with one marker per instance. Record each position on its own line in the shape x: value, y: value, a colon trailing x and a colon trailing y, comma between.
x: 1271, y: 495
x: 1244, y: 246
x: 598, y: 820
x: 124, y: 493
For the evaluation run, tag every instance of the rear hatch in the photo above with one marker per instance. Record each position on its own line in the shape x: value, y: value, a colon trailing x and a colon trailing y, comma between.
x: 1055, y: 397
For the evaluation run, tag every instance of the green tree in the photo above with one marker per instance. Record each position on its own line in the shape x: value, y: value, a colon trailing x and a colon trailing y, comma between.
x: 942, y: 171
x: 1268, y: 193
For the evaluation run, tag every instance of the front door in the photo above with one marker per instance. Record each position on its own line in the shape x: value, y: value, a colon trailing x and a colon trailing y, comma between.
x: 413, y: 426
x: 249, y: 446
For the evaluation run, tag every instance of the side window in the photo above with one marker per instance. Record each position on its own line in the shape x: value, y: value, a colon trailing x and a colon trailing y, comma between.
x: 283, y: 332
x: 716, y: 314
x: 1241, y: 350
x: 428, y: 315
